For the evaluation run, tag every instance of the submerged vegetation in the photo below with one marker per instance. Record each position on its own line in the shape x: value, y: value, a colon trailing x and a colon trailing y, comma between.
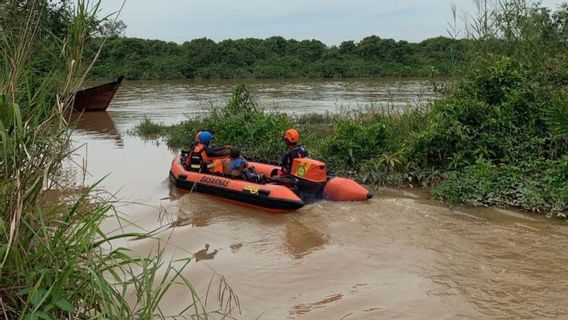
x: 498, y: 137
x: 55, y: 261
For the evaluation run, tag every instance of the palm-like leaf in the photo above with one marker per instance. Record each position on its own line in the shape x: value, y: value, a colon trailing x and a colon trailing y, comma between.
x: 556, y: 116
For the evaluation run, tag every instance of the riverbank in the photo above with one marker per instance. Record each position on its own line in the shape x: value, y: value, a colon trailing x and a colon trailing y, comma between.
x: 497, y: 137
x: 446, y: 147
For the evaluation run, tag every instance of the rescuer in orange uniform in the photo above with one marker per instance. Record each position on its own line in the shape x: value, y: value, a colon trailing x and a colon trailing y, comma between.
x: 202, y: 154
x: 292, y: 138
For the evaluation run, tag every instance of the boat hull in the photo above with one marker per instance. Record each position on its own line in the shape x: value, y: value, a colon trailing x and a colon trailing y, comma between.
x: 335, y: 189
x: 96, y: 98
x: 276, y: 198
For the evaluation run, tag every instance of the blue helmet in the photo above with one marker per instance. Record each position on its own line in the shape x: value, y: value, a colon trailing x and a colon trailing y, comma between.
x: 238, y: 163
x: 205, y: 137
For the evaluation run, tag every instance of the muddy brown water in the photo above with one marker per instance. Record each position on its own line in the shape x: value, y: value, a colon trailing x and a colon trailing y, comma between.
x: 398, y: 256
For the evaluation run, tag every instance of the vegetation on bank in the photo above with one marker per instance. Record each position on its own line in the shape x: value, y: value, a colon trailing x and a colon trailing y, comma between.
x: 498, y: 137
x: 55, y: 261
x: 276, y: 57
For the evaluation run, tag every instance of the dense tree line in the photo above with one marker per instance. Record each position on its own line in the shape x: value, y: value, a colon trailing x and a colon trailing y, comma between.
x: 276, y: 57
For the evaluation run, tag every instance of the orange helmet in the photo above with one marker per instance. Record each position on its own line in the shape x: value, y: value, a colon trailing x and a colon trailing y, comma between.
x: 291, y: 136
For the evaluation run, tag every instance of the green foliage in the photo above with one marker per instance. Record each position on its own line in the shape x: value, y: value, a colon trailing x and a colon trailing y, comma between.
x: 351, y: 143
x: 494, y: 114
x: 386, y: 169
x: 274, y: 57
x: 54, y: 17
x: 149, y: 129
x: 55, y: 261
x: 240, y: 123
x: 536, y: 186
x: 556, y: 113
x: 497, y: 137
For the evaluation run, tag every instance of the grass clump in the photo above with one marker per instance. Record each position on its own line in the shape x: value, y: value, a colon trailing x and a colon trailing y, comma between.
x: 55, y: 261
x: 240, y: 123
x: 149, y: 129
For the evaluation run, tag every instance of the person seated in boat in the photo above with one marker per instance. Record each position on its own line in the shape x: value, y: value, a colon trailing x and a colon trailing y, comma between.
x: 202, y: 154
x: 241, y: 167
x: 184, y: 153
x: 195, y: 139
x: 237, y: 166
x: 293, y: 150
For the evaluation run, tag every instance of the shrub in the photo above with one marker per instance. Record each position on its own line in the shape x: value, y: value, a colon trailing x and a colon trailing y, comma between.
x: 535, y: 186
x: 351, y: 143
x: 240, y: 123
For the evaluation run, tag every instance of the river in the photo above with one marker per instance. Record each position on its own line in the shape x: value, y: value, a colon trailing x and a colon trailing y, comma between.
x: 397, y: 256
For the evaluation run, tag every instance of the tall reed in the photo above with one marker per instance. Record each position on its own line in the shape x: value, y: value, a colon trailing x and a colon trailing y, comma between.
x: 55, y: 261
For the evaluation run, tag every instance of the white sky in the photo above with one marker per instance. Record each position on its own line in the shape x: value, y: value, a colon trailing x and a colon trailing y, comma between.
x: 330, y: 21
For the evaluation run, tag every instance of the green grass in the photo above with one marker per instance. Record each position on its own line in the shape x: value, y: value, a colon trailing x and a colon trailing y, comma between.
x: 55, y: 260
x: 538, y: 186
x: 149, y: 129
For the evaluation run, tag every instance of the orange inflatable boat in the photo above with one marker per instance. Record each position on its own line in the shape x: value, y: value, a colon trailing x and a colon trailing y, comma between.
x: 311, y: 184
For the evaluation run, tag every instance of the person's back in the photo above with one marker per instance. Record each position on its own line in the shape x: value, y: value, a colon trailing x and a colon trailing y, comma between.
x: 231, y: 165
x: 292, y: 138
x: 194, y: 159
x: 201, y: 156
x: 238, y: 166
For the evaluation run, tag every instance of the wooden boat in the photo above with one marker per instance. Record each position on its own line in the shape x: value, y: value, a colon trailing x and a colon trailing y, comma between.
x: 96, y: 98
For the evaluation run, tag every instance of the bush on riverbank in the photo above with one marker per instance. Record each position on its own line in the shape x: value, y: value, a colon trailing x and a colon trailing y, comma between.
x: 498, y: 116
x: 538, y: 185
x: 240, y: 123
x: 504, y: 155
x: 346, y: 141
x: 498, y: 137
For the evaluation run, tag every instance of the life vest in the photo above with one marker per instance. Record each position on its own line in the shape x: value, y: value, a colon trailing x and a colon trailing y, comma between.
x: 224, y: 166
x: 288, y: 159
x: 218, y: 166
x: 197, y: 158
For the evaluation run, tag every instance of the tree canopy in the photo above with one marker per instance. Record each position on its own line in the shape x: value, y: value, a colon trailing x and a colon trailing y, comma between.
x: 276, y: 57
